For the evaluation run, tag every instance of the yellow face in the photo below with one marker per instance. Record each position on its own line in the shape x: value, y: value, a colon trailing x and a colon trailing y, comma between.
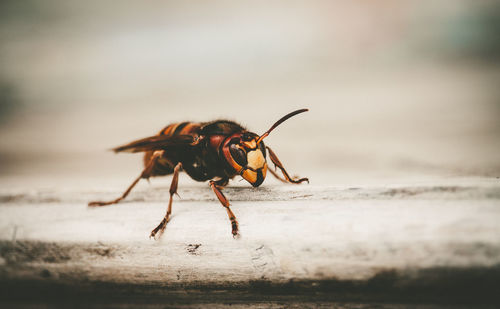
x: 249, y: 159
x: 256, y: 169
x: 246, y: 153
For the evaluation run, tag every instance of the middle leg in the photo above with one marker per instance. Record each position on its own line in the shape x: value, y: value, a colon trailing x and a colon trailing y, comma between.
x: 173, y: 190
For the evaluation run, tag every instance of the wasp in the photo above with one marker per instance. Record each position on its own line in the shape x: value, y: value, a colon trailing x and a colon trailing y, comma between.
x: 216, y: 151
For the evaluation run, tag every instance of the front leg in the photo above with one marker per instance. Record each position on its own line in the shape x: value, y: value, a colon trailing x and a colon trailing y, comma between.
x: 278, y: 164
x: 225, y: 203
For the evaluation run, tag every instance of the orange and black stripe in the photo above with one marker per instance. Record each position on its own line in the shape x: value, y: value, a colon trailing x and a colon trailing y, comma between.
x: 180, y: 128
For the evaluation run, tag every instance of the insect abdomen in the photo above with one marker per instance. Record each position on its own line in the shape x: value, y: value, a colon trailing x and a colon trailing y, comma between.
x: 165, y: 165
x: 180, y: 128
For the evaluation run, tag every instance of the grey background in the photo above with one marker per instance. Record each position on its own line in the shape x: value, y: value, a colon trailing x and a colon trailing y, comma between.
x: 404, y: 90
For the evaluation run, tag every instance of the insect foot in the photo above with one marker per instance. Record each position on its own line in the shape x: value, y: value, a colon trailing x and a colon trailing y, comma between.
x: 234, y: 226
x: 97, y: 204
x: 158, y: 231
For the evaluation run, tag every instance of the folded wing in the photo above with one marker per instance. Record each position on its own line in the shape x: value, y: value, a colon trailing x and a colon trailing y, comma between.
x: 157, y: 142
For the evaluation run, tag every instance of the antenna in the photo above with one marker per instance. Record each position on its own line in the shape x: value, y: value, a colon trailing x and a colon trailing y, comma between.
x: 277, y: 123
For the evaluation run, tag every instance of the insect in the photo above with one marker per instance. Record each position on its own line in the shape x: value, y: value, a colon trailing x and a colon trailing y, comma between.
x: 216, y: 151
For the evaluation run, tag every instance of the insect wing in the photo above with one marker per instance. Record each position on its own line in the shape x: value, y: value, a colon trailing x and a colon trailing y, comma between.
x: 157, y: 142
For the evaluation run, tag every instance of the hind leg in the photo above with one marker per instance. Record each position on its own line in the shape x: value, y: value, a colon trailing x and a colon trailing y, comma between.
x: 146, y: 173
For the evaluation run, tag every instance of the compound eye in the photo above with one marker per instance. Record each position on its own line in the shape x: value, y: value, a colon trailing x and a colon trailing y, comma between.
x: 247, y: 137
x: 238, y: 155
x: 262, y: 148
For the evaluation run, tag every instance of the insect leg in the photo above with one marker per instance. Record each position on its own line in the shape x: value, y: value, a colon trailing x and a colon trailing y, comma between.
x: 276, y: 175
x: 278, y: 164
x: 146, y: 173
x: 173, y: 190
x: 223, y: 200
x: 222, y: 182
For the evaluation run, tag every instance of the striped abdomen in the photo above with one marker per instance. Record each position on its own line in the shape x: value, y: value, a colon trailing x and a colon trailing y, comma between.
x: 180, y: 128
x: 165, y: 165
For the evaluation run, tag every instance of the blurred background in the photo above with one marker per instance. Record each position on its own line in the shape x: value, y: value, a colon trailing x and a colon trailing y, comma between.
x: 397, y: 90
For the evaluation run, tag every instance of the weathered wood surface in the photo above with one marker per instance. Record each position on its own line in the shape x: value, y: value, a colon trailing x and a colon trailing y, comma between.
x: 416, y: 238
